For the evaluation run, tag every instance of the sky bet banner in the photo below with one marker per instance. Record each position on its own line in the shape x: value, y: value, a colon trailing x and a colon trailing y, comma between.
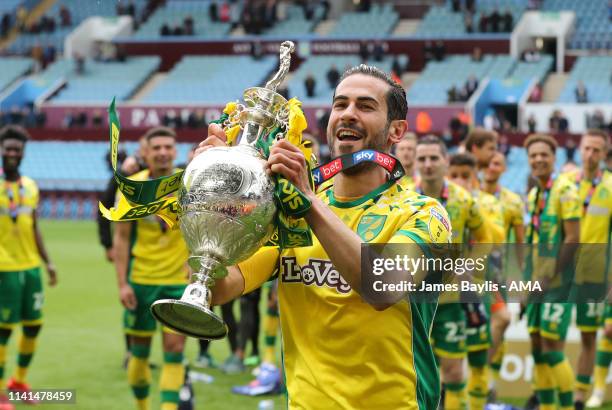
x: 459, y: 273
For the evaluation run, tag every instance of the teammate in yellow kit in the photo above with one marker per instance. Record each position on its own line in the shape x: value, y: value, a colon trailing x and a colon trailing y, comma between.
x: 150, y: 260
x: 554, y: 229
x: 449, y: 332
x: 21, y: 252
x: 339, y: 351
x: 462, y: 171
x: 595, y: 189
x: 405, y: 151
x: 514, y: 231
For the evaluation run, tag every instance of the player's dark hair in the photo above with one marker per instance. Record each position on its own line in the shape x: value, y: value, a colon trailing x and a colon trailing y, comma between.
x: 546, y: 139
x: 462, y: 159
x: 159, y: 132
x: 397, y: 104
x: 478, y: 137
x: 14, y: 132
x: 433, y: 140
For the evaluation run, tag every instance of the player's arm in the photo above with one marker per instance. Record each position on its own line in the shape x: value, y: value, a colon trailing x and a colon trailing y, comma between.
x: 519, y: 234
x: 121, y: 242
x: 246, y: 276
x: 571, y: 231
x: 478, y: 224
x: 287, y: 160
x: 571, y: 211
x: 42, y: 251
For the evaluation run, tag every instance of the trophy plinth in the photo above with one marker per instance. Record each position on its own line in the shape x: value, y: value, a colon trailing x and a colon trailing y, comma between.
x: 226, y: 209
x: 191, y: 315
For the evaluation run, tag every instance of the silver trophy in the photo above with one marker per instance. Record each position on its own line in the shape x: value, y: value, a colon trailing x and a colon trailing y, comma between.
x: 226, y: 207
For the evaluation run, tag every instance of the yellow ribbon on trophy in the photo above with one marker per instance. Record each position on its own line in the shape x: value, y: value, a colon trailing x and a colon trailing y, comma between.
x: 140, y: 199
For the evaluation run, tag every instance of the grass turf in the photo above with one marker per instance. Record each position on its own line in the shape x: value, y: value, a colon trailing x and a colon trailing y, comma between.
x: 81, y: 346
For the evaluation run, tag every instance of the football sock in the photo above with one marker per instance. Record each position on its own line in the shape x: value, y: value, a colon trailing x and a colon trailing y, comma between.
x: 4, y: 337
x: 454, y: 396
x: 270, y: 329
x: 477, y: 382
x: 544, y: 382
x: 27, y: 345
x: 171, y: 380
x: 602, y: 362
x: 563, y: 376
x: 139, y: 375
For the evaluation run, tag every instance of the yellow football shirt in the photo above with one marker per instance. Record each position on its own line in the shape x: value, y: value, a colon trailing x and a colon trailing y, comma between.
x: 492, y: 212
x: 562, y: 204
x: 340, y: 352
x: 512, y: 206
x: 595, y: 227
x: 408, y: 182
x: 158, y: 255
x: 18, y: 249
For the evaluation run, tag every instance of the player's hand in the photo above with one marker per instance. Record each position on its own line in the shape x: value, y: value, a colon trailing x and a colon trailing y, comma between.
x: 129, y: 166
x: 216, y: 138
x: 287, y: 160
x: 52, y: 274
x: 127, y: 296
x: 110, y: 254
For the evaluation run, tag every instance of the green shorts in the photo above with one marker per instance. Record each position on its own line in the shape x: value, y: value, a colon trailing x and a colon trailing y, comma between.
x: 448, y: 333
x: 550, y: 320
x: 21, y: 297
x: 479, y: 338
x: 140, y: 321
x: 589, y: 316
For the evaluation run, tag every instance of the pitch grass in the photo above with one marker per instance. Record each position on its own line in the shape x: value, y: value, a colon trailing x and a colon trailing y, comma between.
x: 81, y: 345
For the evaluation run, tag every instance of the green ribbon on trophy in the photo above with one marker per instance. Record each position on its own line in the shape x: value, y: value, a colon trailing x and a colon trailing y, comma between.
x: 150, y: 197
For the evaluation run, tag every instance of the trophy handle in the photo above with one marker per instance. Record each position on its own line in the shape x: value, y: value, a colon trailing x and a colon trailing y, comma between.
x: 264, y: 103
x: 286, y: 48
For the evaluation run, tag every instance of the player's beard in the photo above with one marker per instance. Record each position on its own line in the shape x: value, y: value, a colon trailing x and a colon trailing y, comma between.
x: 377, y: 143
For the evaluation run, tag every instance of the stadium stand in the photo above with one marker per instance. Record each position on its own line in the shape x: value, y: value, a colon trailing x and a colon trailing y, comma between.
x: 211, y: 79
x: 101, y: 81
x: 439, y: 76
x: 317, y: 66
x: 379, y: 21
x: 79, y: 10
x: 11, y: 68
x: 441, y: 21
x: 83, y: 164
x: 174, y: 14
x: 592, y: 22
x: 594, y: 72
x: 296, y: 23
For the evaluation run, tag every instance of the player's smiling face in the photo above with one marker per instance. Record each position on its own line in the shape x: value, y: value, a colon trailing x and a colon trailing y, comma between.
x: 541, y: 159
x: 160, y: 154
x: 358, y: 119
x: 12, y: 153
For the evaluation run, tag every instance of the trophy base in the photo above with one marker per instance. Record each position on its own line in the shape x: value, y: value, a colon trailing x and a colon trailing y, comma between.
x: 189, y: 319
